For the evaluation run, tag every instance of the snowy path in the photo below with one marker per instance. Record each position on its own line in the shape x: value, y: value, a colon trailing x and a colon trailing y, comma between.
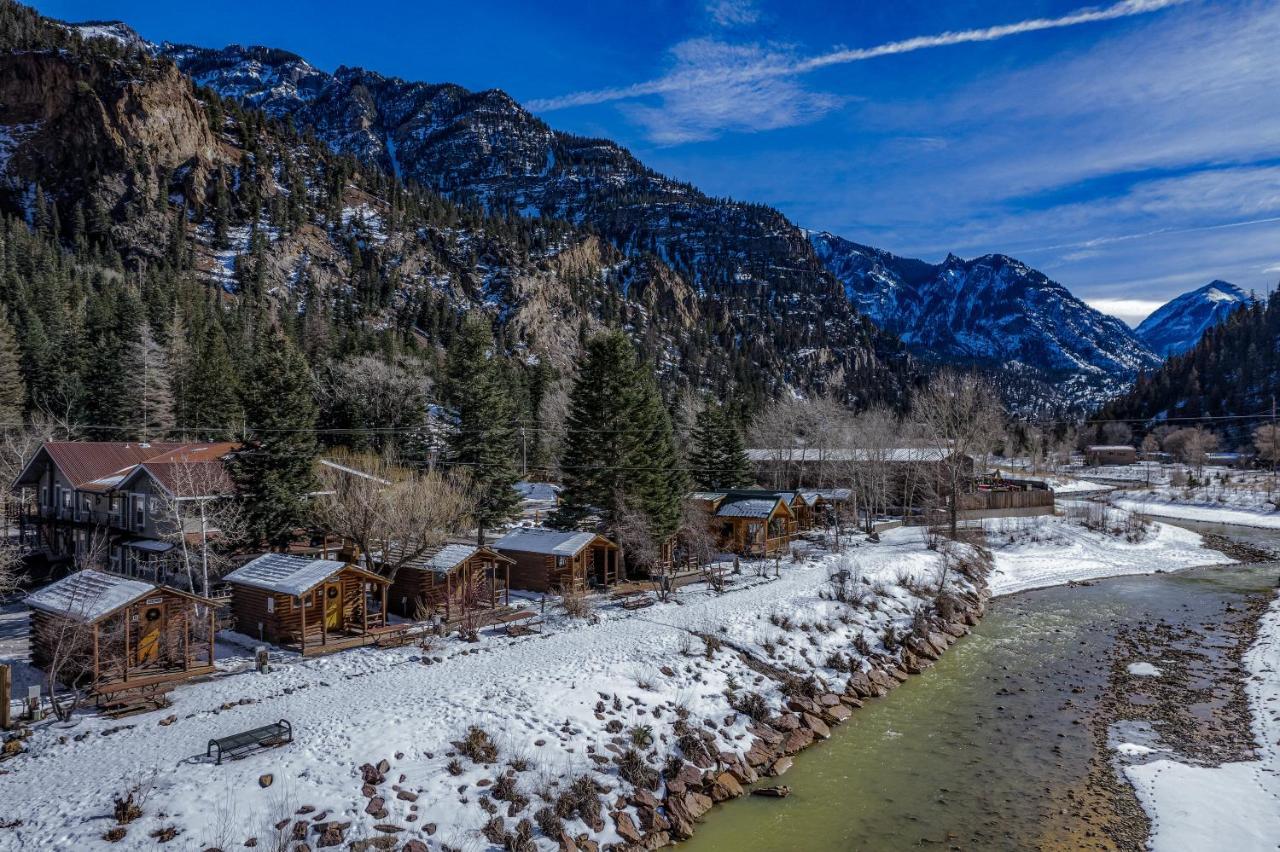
x: 1234, y: 806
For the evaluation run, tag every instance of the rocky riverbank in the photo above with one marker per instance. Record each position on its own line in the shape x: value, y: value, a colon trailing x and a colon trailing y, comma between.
x: 1172, y: 687
x: 707, y: 776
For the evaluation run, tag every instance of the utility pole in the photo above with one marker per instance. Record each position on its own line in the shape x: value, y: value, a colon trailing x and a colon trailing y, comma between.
x: 524, y: 454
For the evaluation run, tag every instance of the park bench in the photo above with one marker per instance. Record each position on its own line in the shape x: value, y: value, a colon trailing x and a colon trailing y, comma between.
x: 238, y: 745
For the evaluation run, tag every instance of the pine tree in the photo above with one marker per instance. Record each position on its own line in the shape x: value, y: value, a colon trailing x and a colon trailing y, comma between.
x: 12, y: 389
x: 619, y: 448
x: 483, y: 439
x: 717, y: 459
x: 210, y: 400
x: 274, y: 471
x: 150, y: 373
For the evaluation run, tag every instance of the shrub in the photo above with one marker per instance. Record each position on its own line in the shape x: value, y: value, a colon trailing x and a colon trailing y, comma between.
x: 633, y: 769
x: 454, y: 767
x: 641, y: 736
x: 548, y: 823
x: 750, y: 704
x: 478, y: 746
x: 578, y: 605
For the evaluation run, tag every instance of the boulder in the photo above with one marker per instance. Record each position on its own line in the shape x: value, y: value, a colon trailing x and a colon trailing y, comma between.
x: 819, y: 727
x: 644, y: 799
x: 801, y: 704
x: 787, y: 722
x: 383, y: 767
x: 566, y: 842
x: 265, y: 781
x: 406, y: 796
x: 837, y: 714
x: 859, y: 685
x: 415, y: 845
x: 779, y: 766
x: 377, y: 807
x: 626, y: 827
x: 779, y: 792
x: 725, y: 787
x: 765, y: 732
x: 651, y: 820
x: 800, y: 738
x: 696, y: 804
x: 331, y: 835
x: 759, y: 754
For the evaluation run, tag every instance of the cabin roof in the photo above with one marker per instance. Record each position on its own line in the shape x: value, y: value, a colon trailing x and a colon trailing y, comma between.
x: 89, y: 595
x: 752, y: 507
x: 289, y: 574
x: 549, y: 542
x: 836, y: 494
x: 1110, y: 448
x: 451, y: 556
x: 837, y: 454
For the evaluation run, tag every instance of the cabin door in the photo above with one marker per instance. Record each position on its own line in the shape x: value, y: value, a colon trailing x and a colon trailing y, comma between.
x: 150, y: 627
x: 332, y: 606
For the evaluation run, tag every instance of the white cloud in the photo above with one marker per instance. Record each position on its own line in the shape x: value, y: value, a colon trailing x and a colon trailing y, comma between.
x: 1132, y: 311
x: 733, y: 13
x: 745, y: 104
x: 683, y: 79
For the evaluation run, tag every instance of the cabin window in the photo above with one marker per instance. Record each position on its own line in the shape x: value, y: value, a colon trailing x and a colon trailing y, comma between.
x: 271, y: 604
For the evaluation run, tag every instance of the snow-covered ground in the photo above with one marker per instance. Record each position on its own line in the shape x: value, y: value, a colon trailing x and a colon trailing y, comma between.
x: 1234, y: 806
x: 558, y: 705
x: 1249, y: 504
x: 1034, y: 552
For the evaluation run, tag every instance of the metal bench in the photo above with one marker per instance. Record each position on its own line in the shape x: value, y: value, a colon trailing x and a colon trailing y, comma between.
x: 238, y: 745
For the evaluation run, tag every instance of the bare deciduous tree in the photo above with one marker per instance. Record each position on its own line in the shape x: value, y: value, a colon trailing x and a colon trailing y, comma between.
x: 963, y: 419
x: 393, y: 515
x: 203, y: 520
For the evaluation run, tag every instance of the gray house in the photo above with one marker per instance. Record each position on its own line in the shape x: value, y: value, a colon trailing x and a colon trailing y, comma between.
x: 110, y: 504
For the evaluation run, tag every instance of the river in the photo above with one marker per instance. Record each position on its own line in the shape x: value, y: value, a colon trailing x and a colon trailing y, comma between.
x: 1003, y: 744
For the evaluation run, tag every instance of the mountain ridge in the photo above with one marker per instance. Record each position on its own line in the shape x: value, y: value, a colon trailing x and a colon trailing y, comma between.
x: 1178, y: 324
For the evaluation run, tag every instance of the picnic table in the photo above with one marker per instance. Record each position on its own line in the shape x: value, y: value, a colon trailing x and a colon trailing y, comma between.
x: 238, y: 745
x: 518, y: 622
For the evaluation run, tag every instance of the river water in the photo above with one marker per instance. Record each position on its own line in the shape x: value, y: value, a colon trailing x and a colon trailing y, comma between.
x: 993, y: 747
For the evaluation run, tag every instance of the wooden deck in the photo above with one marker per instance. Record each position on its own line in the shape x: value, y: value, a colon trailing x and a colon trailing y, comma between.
x: 315, y: 647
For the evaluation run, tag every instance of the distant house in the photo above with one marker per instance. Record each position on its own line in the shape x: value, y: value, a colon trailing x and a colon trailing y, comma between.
x: 453, y: 581
x: 555, y: 560
x: 115, y: 633
x: 315, y: 606
x: 108, y: 504
x: 1109, y: 454
x: 751, y: 522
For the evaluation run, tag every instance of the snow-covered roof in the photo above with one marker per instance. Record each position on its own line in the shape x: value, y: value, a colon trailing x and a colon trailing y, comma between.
x: 542, y: 492
x: 550, y: 542
x: 1094, y: 448
x: 829, y: 494
x: 816, y: 454
x: 448, y: 557
x: 150, y: 545
x: 284, y: 573
x: 707, y: 495
x: 89, y: 594
x: 755, y: 507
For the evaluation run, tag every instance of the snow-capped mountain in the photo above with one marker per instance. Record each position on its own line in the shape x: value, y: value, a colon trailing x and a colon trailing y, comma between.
x: 1179, y: 324
x: 992, y: 312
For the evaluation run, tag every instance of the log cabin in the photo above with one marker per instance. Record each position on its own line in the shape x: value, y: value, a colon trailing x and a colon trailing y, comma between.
x: 453, y: 582
x: 750, y: 522
x: 110, y: 634
x: 315, y: 606
x: 559, y: 561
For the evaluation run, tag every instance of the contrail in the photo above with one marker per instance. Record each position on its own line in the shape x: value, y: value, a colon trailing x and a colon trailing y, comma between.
x: 1159, y: 232
x: 694, y: 79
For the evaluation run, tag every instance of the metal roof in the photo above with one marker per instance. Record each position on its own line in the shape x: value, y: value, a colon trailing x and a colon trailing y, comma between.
x: 755, y: 507
x: 550, y: 542
x: 89, y: 595
x: 285, y: 573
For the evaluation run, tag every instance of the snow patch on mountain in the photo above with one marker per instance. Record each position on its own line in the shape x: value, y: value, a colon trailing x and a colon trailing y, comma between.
x: 992, y: 312
x: 1180, y: 323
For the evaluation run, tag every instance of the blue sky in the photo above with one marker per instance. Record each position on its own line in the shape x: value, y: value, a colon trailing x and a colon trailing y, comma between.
x: 1127, y: 149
